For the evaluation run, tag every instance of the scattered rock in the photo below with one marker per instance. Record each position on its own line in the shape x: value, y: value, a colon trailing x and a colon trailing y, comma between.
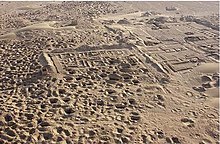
x: 125, y: 139
x: 207, y: 85
x: 59, y: 130
x: 168, y: 140
x: 199, y: 89
x: 135, y: 81
x: 135, y: 116
x: 206, y: 78
x: 110, y: 91
x: 175, y: 140
x: 47, y: 136
x: 100, y: 102
x: 67, y: 132
x: 53, y: 100
x: 206, y: 141
x: 120, y: 106
x: 115, y: 77
x: 62, y: 91
x: 160, y: 97
x: 132, y: 101
x: 160, y: 134
x: 69, y: 110
x: 216, y: 76
x: 8, y: 117
x: 68, y: 78
x: 188, y: 122
x: 118, y: 141
x: 149, y: 106
x: 44, y: 124
x: 105, y: 138
x: 139, y: 90
x: 165, y: 80
x: 10, y: 132
x: 119, y: 130
x: 126, y: 70
x: 92, y: 133
x: 29, y: 116
x: 190, y: 94
x: 59, y: 139
x: 123, y: 21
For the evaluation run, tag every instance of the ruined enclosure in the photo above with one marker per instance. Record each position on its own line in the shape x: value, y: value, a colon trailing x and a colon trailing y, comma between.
x: 109, y: 72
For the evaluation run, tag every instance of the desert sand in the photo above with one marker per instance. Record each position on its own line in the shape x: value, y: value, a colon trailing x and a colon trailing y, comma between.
x: 109, y: 72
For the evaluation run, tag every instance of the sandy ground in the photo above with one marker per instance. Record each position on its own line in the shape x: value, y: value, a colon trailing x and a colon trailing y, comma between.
x: 109, y: 72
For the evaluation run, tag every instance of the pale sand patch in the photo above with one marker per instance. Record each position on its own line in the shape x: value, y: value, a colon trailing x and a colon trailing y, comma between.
x: 28, y: 7
x: 8, y: 36
x: 208, y: 68
x: 214, y: 102
x: 43, y: 25
x: 214, y: 92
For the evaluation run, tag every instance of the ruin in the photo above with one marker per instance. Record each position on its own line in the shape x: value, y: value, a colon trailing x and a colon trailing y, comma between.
x: 109, y: 72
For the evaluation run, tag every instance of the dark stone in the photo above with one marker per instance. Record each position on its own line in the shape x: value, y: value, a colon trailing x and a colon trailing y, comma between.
x: 199, y: 89
x: 92, y: 133
x: 119, y: 130
x: 10, y: 132
x: 132, y: 101
x: 135, y: 117
x: 175, y: 140
x: 121, y: 106
x: 45, y: 124
x: 8, y: 117
x: 125, y: 139
x: 29, y: 116
x: 69, y: 110
x: 47, y: 136
x: 59, y: 139
x: 100, y: 102
x: 115, y: 77
x: 53, y: 100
